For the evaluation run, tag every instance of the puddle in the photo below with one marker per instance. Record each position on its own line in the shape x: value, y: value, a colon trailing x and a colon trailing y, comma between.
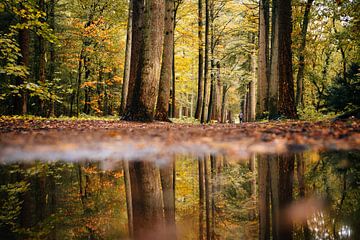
x: 309, y: 195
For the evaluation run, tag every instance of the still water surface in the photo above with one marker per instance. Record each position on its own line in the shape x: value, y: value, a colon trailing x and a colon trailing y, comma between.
x: 307, y: 195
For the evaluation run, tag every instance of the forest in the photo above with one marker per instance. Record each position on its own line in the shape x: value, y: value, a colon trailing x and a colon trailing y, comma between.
x: 179, y: 119
x: 201, y: 60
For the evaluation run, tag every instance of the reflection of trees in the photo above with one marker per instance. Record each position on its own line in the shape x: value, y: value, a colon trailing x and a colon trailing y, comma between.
x: 337, y: 177
x: 55, y: 203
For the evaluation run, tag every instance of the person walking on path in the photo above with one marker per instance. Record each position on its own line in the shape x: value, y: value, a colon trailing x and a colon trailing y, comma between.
x: 241, y: 115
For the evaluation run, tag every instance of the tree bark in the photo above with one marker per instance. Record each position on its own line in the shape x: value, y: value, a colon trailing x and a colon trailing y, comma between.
x: 252, y: 85
x: 300, y: 167
x: 207, y: 199
x: 282, y: 100
x: 162, y: 106
x: 274, y: 62
x: 263, y: 198
x: 146, y: 199
x: 24, y: 42
x: 263, y: 59
x: 168, y: 183
x: 129, y: 207
x: 300, y: 73
x: 201, y: 197
x: 52, y: 53
x: 286, y: 104
x: 125, y: 85
x: 146, y: 72
x: 212, y: 94
x: 206, y: 68
x: 136, y: 52
x: 200, y: 66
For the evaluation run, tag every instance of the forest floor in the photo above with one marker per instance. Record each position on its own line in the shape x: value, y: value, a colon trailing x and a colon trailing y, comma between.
x: 27, y: 139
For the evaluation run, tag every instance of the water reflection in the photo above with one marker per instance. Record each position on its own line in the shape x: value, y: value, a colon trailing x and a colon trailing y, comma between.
x: 296, y: 196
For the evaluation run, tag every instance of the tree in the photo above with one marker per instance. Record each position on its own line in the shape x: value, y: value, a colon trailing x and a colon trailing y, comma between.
x: 300, y: 73
x: 282, y: 100
x: 147, y: 200
x: 126, y: 77
x: 166, y: 75
x: 200, y: 64
x: 148, y: 27
x: 206, y: 67
x: 263, y: 58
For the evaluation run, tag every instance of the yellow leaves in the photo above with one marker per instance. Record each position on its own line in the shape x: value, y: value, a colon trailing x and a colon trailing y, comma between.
x: 91, y: 84
x: 117, y: 79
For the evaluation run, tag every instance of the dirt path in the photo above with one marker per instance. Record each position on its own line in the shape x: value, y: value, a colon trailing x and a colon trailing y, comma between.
x: 101, y: 140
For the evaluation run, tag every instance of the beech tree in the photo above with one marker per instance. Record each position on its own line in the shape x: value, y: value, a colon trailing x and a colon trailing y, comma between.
x: 146, y: 52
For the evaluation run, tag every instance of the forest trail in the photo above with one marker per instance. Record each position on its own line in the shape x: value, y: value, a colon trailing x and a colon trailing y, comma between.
x: 76, y: 140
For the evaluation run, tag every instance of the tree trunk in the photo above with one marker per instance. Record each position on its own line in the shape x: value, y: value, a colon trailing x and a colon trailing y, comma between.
x: 52, y: 53
x: 162, y: 106
x: 24, y: 43
x: 136, y: 52
x: 206, y: 68
x: 146, y: 200
x: 129, y: 207
x: 207, y: 199
x: 218, y: 94
x: 282, y: 85
x: 252, y: 85
x: 212, y: 95
x: 148, y: 65
x: 300, y: 74
x: 286, y: 174
x: 263, y: 62
x: 263, y: 198
x: 125, y: 85
x: 274, y: 62
x: 223, y: 103
x: 286, y: 102
x: 274, y: 183
x: 213, y: 166
x: 78, y: 83
x: 300, y: 166
x: 200, y: 66
x: 201, y: 197
x: 167, y: 183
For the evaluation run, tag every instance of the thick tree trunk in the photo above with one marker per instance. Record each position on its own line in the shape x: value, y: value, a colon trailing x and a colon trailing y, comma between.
x: 167, y: 183
x: 282, y: 100
x: 201, y: 64
x: 136, y: 52
x: 206, y: 67
x: 125, y: 85
x: 263, y: 198
x: 148, y: 65
x: 162, y: 106
x: 263, y: 59
x: 146, y: 200
x: 300, y: 74
x: 274, y: 62
x: 286, y: 175
x: 274, y: 183
x: 286, y: 102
